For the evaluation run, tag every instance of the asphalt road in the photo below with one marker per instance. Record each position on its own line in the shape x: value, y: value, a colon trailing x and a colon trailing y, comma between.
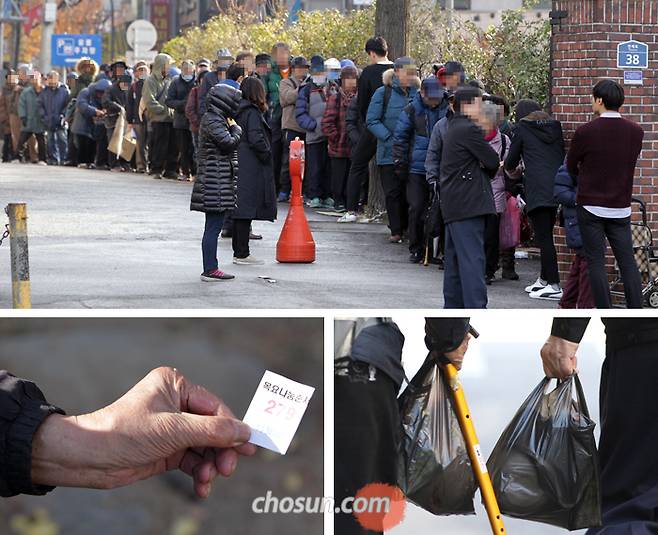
x: 110, y: 240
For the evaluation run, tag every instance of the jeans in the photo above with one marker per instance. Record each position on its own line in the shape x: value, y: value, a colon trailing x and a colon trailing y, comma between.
x: 464, y: 264
x: 542, y: 220
x: 240, y: 237
x: 214, y: 222
x: 57, y: 146
x: 358, y: 178
x: 594, y: 230
x: 418, y: 195
x: 396, y: 200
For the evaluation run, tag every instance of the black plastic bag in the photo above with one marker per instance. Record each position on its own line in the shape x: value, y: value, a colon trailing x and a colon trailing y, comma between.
x: 545, y: 465
x: 433, y: 217
x: 436, y: 472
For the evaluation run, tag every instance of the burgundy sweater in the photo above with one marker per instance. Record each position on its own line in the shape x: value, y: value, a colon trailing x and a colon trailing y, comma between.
x: 603, y: 154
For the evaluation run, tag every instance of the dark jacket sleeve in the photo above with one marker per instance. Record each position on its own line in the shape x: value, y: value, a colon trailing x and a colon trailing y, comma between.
x: 255, y: 137
x: 483, y: 152
x: 304, y: 119
x: 571, y: 329
x: 353, y: 123
x: 404, y: 130
x: 220, y: 134
x: 22, y: 410
x: 190, y: 107
x: 433, y: 157
x: 575, y: 154
x: 110, y: 101
x: 565, y: 187
x: 445, y: 334
x: 203, y: 92
x: 175, y: 98
x: 514, y: 155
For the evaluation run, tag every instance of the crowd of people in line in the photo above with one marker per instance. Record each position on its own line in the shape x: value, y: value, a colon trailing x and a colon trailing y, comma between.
x: 456, y: 172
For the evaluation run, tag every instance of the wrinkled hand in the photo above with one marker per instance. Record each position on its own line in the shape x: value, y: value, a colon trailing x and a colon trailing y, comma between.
x: 559, y: 357
x: 163, y: 423
x: 456, y: 356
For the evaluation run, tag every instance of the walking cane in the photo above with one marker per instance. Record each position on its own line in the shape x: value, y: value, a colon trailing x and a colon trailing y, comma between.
x: 473, y: 445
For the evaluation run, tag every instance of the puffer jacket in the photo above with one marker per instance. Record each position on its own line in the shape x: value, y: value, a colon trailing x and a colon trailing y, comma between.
x: 381, y: 120
x: 565, y: 189
x: 498, y: 182
x: 412, y: 135
x: 28, y: 111
x: 215, y: 187
x: 333, y: 123
x: 309, y: 110
x: 155, y: 89
x: 84, y: 113
x: 52, y: 106
x: 176, y: 99
x: 288, y: 100
x: 23, y: 408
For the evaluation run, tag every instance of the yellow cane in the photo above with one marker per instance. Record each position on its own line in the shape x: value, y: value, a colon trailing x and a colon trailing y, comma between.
x: 474, y: 451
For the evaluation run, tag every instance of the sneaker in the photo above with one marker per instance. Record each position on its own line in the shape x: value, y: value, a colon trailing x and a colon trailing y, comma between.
x: 488, y: 279
x: 339, y: 208
x: 510, y: 275
x: 539, y: 284
x: 248, y: 261
x: 415, y: 258
x: 395, y: 238
x: 253, y: 236
x: 41, y: 162
x: 283, y: 197
x: 227, y: 234
x: 548, y: 293
x: 327, y: 203
x: 170, y: 176
x: 216, y: 275
x: 347, y: 217
x: 315, y: 203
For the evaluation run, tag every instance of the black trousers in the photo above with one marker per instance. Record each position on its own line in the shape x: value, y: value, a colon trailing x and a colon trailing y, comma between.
x: 7, y: 148
x: 542, y: 220
x: 340, y: 170
x: 418, y: 195
x: 72, y: 157
x: 492, y: 243
x: 277, y: 150
x: 594, y: 231
x: 317, y: 176
x: 86, y: 148
x: 367, y: 423
x: 162, y: 148
x: 102, y: 156
x: 284, y: 180
x: 240, y: 237
x: 184, y: 149
x: 41, y: 145
x: 396, y: 200
x: 358, y: 178
x: 629, y: 434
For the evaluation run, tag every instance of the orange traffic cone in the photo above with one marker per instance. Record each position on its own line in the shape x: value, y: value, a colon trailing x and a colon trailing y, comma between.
x: 296, y: 241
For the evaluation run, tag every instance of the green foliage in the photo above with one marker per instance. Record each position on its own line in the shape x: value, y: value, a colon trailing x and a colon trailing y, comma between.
x: 512, y: 58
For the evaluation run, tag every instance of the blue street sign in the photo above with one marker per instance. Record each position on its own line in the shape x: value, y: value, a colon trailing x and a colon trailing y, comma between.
x: 632, y: 55
x: 633, y: 78
x: 67, y: 49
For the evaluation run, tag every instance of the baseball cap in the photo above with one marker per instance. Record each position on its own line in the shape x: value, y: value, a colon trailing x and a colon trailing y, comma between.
x: 299, y: 61
x: 404, y: 61
x: 432, y: 88
x: 263, y: 58
x: 317, y: 64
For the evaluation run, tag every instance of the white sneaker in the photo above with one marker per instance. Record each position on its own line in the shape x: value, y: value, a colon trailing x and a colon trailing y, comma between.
x: 548, y: 293
x: 537, y: 285
x: 347, y: 217
x: 249, y: 261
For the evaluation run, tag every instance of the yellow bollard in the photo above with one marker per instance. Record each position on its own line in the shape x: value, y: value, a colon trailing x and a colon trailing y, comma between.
x: 474, y: 451
x: 20, y: 266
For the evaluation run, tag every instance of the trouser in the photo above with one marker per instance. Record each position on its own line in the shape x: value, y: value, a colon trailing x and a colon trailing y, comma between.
x: 418, y: 194
x: 507, y: 259
x: 102, y: 156
x: 277, y: 150
x: 464, y: 264
x: 284, y: 180
x: 15, y: 128
x: 367, y: 423
x: 195, y: 147
x: 357, y: 180
x: 72, y: 149
x: 114, y: 160
x: 340, y: 170
x: 214, y: 222
x: 396, y: 200
x: 492, y: 243
x: 185, y: 150
x: 577, y: 292
x: 57, y: 146
x: 629, y: 434
x: 317, y: 175
x: 162, y: 148
x: 140, y: 149
x: 86, y: 148
x: 41, y: 145
x: 8, y: 148
x: 241, y: 237
x: 542, y: 220
x: 594, y: 231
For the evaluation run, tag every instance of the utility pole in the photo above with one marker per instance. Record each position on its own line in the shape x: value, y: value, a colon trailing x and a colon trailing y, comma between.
x: 2, y: 36
x: 47, y: 30
x: 112, y: 36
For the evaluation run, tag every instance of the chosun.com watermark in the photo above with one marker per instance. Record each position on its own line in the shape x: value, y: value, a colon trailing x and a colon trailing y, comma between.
x: 377, y: 506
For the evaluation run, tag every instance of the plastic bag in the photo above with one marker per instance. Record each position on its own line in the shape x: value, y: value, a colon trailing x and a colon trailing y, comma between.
x: 436, y: 472
x: 510, y: 225
x: 545, y: 465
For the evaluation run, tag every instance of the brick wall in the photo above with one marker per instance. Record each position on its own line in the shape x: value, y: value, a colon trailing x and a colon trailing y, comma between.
x: 584, y: 49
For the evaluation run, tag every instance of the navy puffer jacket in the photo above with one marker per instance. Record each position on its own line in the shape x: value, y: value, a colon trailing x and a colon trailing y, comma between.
x: 565, y: 189
x: 217, y: 167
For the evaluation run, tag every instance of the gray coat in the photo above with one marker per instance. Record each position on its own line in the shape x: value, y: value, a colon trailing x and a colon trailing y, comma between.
x: 311, y: 103
x: 433, y: 158
x: 29, y: 112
